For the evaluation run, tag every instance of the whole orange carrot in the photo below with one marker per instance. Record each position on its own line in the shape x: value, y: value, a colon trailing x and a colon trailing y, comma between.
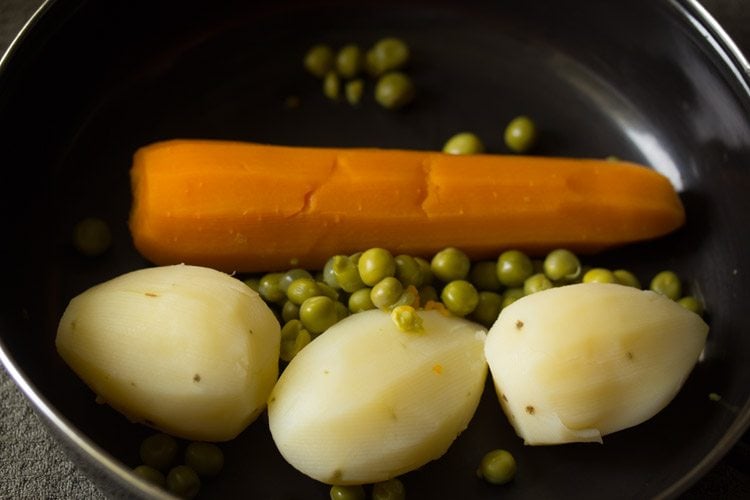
x: 249, y: 207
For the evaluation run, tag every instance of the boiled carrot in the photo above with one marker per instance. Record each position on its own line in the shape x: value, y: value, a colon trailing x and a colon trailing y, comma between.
x: 250, y: 207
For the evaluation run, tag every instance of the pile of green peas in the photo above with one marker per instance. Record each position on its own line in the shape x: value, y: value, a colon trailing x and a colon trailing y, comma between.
x: 161, y: 466
x: 308, y: 303
x: 392, y: 489
x: 384, y: 62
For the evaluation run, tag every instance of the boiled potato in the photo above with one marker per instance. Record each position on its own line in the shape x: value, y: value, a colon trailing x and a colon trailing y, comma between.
x: 366, y: 401
x: 187, y: 350
x: 581, y: 361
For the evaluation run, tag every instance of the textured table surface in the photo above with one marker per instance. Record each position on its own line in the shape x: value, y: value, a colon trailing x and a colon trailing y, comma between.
x: 32, y: 466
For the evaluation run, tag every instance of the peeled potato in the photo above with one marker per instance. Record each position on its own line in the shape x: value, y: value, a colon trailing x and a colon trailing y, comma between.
x: 365, y: 401
x: 188, y: 350
x: 581, y: 361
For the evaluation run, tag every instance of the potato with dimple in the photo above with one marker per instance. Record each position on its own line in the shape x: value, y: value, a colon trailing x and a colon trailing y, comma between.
x: 185, y: 349
x: 581, y: 361
x: 366, y: 401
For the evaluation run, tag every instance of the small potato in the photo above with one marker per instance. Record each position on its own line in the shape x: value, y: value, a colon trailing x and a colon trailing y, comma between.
x: 365, y: 402
x: 188, y: 350
x: 578, y: 362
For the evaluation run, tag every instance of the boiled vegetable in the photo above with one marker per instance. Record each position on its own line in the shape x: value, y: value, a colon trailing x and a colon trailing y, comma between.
x: 366, y: 401
x: 249, y: 207
x: 187, y: 350
x: 578, y: 362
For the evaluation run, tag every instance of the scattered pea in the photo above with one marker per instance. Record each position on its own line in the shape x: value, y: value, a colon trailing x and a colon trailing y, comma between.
x: 408, y: 271
x: 497, y: 467
x: 450, y: 264
x: 488, y: 308
x: 536, y: 283
x: 294, y: 337
x: 520, y: 134
x: 269, y: 287
x: 353, y: 91
x: 513, y: 267
x: 394, y: 90
x: 92, y: 236
x: 206, y: 459
x: 346, y: 273
x: 387, y: 54
x: 483, y: 276
x: 562, y: 265
x: 424, y: 270
x: 626, y: 278
x: 317, y: 314
x: 511, y: 295
x: 349, y: 60
x: 302, y: 289
x: 386, y: 292
x: 428, y: 293
x: 150, y: 474
x: 392, y: 489
x: 319, y: 60
x: 291, y: 275
x: 376, y: 264
x: 352, y: 492
x: 691, y: 304
x: 253, y: 283
x: 460, y: 297
x: 331, y: 85
x: 463, y: 143
x: 289, y: 311
x: 159, y: 451
x: 599, y: 275
x: 183, y: 482
x: 360, y: 301
x: 667, y: 283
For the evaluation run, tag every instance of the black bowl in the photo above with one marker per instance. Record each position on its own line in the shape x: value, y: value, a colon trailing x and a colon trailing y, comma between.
x: 656, y: 82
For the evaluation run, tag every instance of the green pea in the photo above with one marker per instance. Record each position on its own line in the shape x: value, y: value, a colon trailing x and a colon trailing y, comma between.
x: 386, y: 55
x: 667, y: 283
x: 289, y: 311
x: 488, y: 308
x: 428, y: 293
x: 483, y: 276
x: 562, y: 265
x: 460, y: 297
x: 342, y: 311
x: 464, y: 143
x: 327, y: 290
x: 511, y: 295
x: 92, y: 236
x: 497, y: 467
x: 349, y: 60
x: 520, y: 134
x: 691, y: 304
x: 386, y: 292
x: 352, y: 492
x: 450, y: 264
x: 151, y: 475
x: 328, y: 275
x: 317, y: 314
x: 291, y: 275
x: 159, y: 451
x: 392, y: 489
x: 353, y: 91
x: 626, y: 278
x: 253, y: 283
x: 599, y: 275
x: 294, y: 338
x: 513, y: 267
x: 376, y: 264
x: 394, y: 90
x: 346, y: 272
x: 360, y: 301
x: 269, y: 287
x: 183, y: 482
x: 206, y: 459
x: 536, y: 283
x: 331, y: 85
x: 319, y: 60
x: 409, y: 297
x: 302, y: 289
x: 424, y: 270
x: 408, y: 270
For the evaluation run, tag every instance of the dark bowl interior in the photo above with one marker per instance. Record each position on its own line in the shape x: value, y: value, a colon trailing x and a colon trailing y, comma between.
x: 642, y: 80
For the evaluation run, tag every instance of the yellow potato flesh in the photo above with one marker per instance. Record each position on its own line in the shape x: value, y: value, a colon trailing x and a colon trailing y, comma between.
x: 185, y: 349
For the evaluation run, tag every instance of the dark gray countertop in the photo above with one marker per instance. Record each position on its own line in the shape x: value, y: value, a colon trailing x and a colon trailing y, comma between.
x: 33, y: 466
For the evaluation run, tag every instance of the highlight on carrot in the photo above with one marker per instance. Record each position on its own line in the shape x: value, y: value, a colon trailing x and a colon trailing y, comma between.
x: 249, y: 207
